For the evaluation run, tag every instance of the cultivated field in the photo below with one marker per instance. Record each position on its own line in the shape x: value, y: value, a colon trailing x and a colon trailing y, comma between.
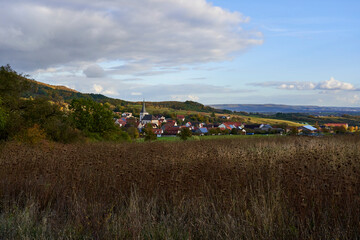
x: 241, y: 188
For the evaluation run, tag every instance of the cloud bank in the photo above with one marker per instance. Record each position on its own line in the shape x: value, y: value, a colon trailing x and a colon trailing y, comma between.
x: 329, y: 85
x: 41, y: 34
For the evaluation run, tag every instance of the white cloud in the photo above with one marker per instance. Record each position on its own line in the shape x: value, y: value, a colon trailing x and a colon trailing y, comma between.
x: 185, y: 98
x: 333, y: 84
x: 97, y: 88
x: 297, y: 86
x: 94, y: 71
x: 42, y: 34
x: 330, y: 85
x: 136, y: 93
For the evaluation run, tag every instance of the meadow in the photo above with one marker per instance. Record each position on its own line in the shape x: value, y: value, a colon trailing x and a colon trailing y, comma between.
x: 231, y: 188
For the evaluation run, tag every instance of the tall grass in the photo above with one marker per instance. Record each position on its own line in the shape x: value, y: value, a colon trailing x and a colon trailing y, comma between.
x: 263, y: 188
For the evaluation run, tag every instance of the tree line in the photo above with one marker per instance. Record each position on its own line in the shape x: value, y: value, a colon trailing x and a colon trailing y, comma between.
x: 32, y: 119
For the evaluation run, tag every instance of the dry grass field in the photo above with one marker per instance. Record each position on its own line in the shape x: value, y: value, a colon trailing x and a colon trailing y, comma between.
x: 261, y: 188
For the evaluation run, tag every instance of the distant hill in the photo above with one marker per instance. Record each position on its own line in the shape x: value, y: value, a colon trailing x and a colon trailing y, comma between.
x: 62, y: 93
x: 275, y: 108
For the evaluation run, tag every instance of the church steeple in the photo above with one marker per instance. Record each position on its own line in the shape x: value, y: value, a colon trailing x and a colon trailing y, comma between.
x: 143, y: 107
x: 143, y: 111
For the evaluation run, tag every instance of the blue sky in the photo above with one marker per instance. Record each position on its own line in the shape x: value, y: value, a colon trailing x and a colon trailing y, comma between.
x: 283, y: 52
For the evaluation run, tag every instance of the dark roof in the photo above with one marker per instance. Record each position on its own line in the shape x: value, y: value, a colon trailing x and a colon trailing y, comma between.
x: 252, y: 126
x: 149, y: 117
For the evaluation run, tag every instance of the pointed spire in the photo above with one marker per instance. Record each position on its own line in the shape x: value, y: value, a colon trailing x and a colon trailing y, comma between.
x: 143, y: 107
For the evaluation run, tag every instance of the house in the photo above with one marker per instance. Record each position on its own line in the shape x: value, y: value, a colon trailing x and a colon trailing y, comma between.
x: 211, y: 125
x: 161, y: 119
x: 225, y: 117
x: 181, y: 117
x: 172, y: 131
x: 140, y: 126
x: 307, y: 129
x: 226, y: 126
x: 121, y: 122
x: 238, y: 125
x: 252, y: 126
x: 265, y: 127
x: 126, y: 115
x: 158, y: 132
x: 280, y: 131
x: 171, y: 122
x: 201, y: 131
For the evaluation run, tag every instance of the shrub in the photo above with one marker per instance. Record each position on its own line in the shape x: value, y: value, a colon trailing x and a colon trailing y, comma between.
x: 33, y: 135
x: 185, y: 133
x: 61, y: 130
x: 149, y: 134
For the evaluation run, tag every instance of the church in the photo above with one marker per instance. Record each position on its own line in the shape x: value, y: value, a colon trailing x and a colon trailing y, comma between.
x: 146, y: 118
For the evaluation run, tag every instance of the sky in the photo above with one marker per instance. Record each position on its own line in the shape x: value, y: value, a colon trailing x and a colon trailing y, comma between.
x: 209, y: 51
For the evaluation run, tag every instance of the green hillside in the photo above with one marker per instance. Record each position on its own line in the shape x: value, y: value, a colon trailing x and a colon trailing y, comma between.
x: 61, y: 93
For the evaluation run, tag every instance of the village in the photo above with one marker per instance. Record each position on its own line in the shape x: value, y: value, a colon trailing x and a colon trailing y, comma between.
x: 162, y: 126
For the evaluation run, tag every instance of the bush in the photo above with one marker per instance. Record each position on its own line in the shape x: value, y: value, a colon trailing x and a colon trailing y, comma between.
x: 117, y: 136
x: 185, y: 133
x: 149, y: 134
x: 33, y: 135
x: 133, y: 132
x: 3, y: 117
x: 61, y: 130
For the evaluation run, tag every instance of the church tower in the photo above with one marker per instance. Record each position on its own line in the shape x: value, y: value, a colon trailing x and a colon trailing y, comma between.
x: 143, y: 111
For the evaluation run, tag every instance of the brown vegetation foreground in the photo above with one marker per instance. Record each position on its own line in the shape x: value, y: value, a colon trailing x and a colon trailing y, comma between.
x: 261, y: 188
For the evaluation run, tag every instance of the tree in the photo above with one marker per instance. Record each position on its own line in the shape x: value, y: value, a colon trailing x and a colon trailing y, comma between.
x: 133, y: 132
x: 317, y: 126
x: 12, y: 86
x: 90, y: 116
x: 149, y: 133
x: 294, y: 131
x: 214, y: 131
x: 234, y: 131
x: 3, y: 117
x: 185, y: 133
x: 340, y: 129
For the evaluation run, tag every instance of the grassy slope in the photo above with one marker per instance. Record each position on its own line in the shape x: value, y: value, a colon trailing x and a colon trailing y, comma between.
x: 262, y: 120
x: 270, y: 121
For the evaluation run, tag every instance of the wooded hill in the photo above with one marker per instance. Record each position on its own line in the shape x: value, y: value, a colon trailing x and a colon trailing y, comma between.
x: 61, y: 93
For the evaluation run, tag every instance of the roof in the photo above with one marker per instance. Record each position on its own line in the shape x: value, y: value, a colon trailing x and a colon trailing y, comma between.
x: 203, y: 130
x: 172, y: 130
x: 252, y: 126
x: 235, y: 124
x: 265, y: 126
x: 310, y: 128
x: 149, y: 117
x: 157, y: 131
x: 226, y: 126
